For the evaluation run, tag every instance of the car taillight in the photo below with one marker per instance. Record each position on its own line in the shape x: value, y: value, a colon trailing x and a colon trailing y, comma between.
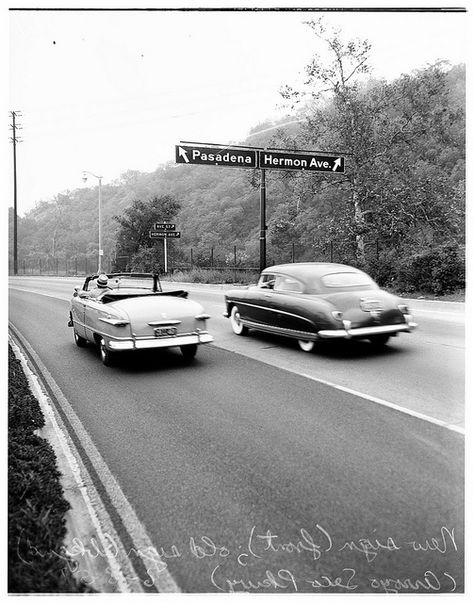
x: 403, y: 308
x: 337, y: 315
x: 115, y: 322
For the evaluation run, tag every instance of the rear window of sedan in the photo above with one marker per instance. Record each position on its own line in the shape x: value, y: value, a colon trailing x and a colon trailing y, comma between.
x: 345, y: 280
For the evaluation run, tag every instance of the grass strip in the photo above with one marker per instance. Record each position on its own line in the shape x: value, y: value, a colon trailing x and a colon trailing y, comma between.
x: 37, y: 562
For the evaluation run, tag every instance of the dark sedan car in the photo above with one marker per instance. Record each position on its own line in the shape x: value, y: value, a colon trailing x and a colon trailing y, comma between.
x: 314, y: 301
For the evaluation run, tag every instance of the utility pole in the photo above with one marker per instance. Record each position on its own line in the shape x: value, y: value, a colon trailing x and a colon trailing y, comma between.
x: 14, y: 139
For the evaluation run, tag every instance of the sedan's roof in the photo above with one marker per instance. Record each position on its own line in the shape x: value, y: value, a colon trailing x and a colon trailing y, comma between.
x: 303, y: 269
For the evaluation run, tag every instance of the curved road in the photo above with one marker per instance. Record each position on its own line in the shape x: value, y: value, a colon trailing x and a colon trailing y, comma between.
x: 249, y: 473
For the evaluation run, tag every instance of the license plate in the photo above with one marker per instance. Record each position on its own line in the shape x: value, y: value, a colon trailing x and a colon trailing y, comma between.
x: 166, y: 331
x: 369, y: 305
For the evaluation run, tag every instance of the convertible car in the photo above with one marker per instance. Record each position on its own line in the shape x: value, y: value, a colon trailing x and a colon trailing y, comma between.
x: 315, y: 301
x: 134, y: 313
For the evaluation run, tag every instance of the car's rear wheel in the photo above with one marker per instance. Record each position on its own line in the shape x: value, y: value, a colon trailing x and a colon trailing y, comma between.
x: 306, y: 346
x: 379, y: 340
x: 80, y: 341
x: 106, y: 355
x: 236, y: 322
x: 189, y: 351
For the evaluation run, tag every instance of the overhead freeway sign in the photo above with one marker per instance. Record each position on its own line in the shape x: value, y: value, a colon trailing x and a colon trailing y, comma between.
x: 257, y: 158
x: 286, y: 160
x: 220, y: 156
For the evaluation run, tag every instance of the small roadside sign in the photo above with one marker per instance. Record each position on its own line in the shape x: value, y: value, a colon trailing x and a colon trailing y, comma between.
x: 164, y: 234
x: 163, y: 226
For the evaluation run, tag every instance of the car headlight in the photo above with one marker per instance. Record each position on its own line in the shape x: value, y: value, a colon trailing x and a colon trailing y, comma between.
x: 403, y: 308
x: 337, y: 315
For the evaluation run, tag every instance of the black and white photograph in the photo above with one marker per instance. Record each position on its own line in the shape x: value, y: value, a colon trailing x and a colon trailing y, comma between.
x: 236, y: 248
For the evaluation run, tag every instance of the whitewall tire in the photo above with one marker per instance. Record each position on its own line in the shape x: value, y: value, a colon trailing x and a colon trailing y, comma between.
x: 80, y: 341
x: 105, y: 355
x: 237, y: 326
x: 306, y: 346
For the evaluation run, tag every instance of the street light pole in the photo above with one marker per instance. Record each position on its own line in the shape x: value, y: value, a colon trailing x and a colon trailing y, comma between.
x: 101, y: 252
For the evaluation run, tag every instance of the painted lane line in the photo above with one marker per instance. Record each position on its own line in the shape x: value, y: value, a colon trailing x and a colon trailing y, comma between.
x: 413, y: 413
x: 404, y: 410
x: 155, y: 573
x: 368, y: 397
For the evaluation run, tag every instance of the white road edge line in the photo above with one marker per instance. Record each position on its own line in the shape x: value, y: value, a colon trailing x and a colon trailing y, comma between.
x: 75, y: 471
x: 124, y: 574
x: 404, y: 410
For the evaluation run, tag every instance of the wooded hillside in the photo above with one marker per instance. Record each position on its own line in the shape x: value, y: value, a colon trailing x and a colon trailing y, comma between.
x: 398, y: 210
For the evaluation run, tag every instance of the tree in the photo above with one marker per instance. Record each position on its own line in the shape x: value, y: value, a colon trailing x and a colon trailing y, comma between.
x: 388, y: 132
x: 133, y: 239
x: 343, y: 126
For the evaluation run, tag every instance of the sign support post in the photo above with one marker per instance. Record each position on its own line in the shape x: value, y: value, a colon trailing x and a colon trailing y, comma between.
x: 263, y: 225
x: 165, y: 251
x: 164, y: 230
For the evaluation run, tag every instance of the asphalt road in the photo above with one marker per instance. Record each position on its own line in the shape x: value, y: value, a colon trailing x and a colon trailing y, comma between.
x: 251, y: 476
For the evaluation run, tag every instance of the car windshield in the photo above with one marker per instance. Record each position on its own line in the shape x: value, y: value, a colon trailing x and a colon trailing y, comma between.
x: 125, y: 281
x: 130, y: 282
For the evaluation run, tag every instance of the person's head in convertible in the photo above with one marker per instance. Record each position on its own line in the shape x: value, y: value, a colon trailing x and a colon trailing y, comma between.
x: 102, y: 281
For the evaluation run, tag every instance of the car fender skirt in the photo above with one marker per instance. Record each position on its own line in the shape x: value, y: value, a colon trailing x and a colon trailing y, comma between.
x: 305, y: 335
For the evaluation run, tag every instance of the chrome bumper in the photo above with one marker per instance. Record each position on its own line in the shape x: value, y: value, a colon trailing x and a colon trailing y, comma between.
x: 348, y: 332
x: 159, y: 342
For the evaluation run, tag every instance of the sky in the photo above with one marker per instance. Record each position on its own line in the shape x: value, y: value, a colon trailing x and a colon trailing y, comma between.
x: 114, y: 91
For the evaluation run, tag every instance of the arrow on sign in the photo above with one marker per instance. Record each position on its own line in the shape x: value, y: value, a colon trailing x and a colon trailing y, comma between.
x: 182, y: 153
x: 337, y: 164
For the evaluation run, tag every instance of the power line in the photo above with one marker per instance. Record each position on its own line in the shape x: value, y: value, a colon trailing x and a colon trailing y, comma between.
x: 14, y: 139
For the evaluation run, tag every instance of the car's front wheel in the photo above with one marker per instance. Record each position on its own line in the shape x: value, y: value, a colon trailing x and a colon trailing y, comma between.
x: 306, y: 346
x: 236, y: 322
x: 80, y: 341
x: 189, y: 351
x: 106, y: 355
